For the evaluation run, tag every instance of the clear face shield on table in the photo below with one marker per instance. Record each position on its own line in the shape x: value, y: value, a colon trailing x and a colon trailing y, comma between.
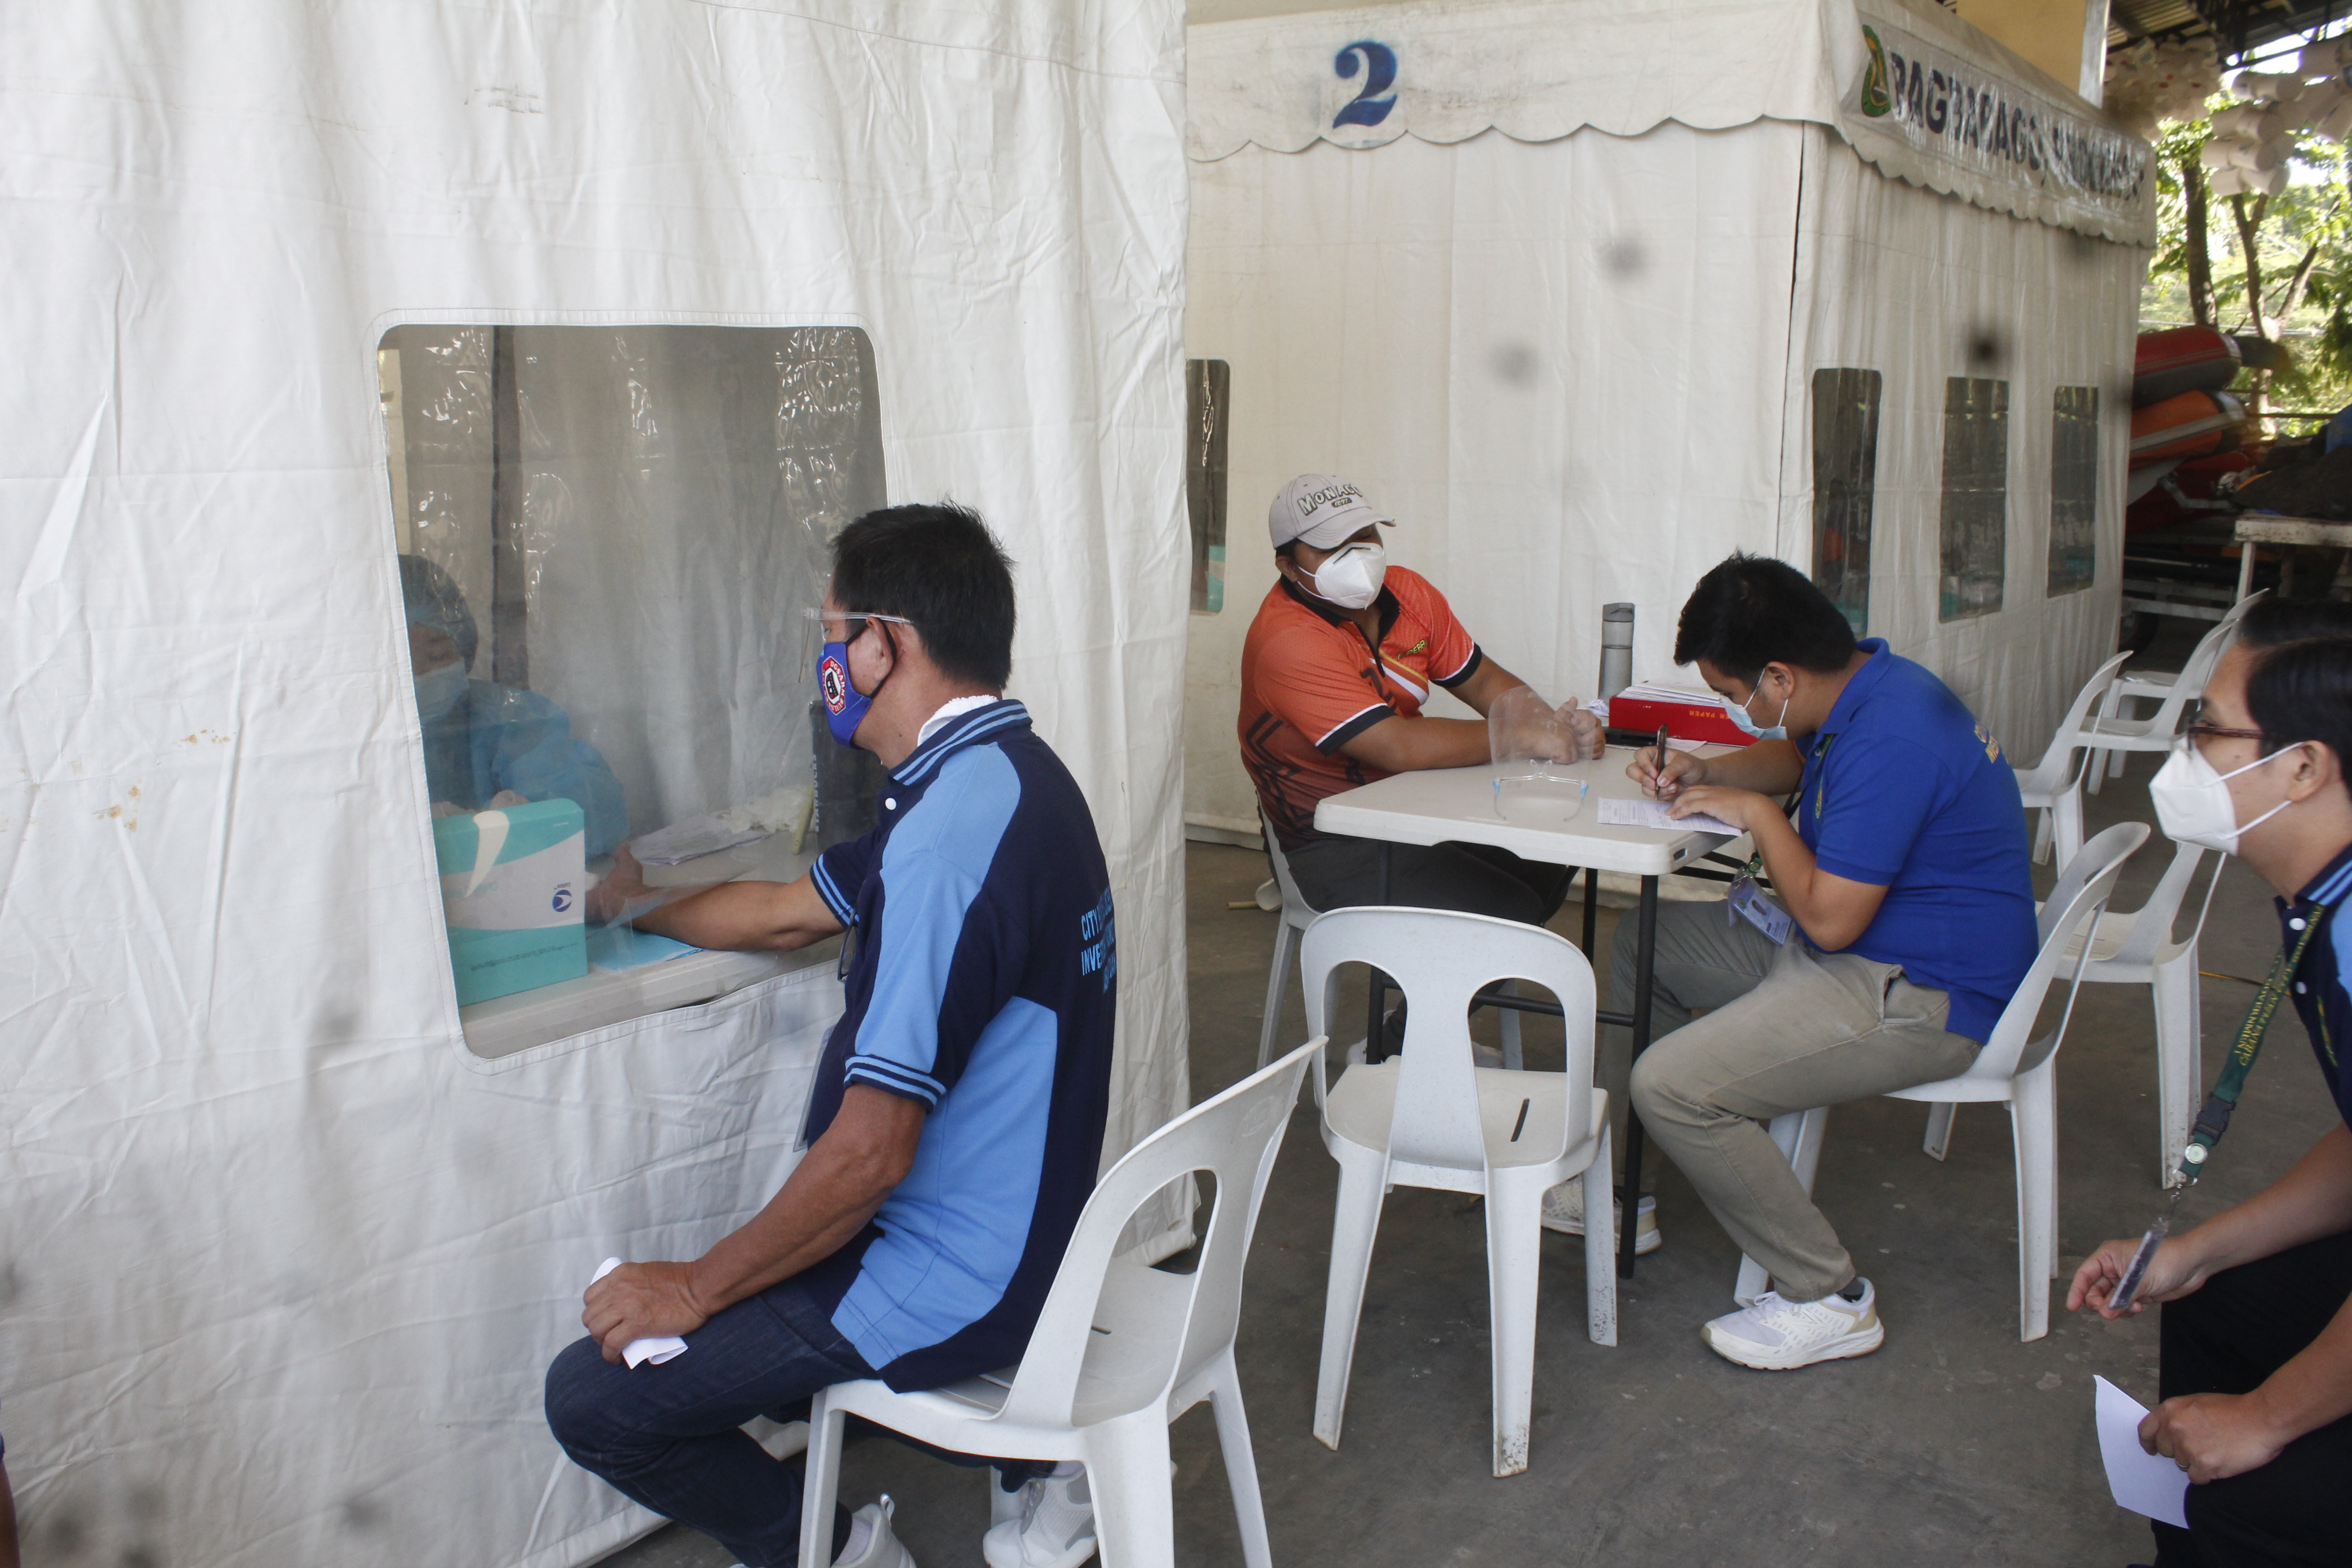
x: 1536, y: 748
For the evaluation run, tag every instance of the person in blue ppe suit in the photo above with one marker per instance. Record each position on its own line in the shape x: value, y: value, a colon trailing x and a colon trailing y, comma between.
x: 487, y: 744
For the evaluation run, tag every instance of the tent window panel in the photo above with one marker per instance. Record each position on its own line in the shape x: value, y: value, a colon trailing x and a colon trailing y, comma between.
x: 605, y: 537
x: 2074, y: 489
x: 1208, y: 384
x: 1845, y: 477
x: 1975, y: 496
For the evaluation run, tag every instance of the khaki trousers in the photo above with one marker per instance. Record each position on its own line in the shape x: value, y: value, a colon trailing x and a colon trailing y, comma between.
x: 1791, y: 1029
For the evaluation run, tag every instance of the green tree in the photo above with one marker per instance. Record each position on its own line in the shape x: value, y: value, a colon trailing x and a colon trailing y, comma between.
x: 2274, y: 267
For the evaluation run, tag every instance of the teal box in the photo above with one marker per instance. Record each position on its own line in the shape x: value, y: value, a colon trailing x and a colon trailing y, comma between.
x: 513, y: 888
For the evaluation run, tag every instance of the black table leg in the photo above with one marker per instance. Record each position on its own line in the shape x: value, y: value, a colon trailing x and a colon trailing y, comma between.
x: 1591, y: 908
x: 1375, y: 1039
x: 1645, y: 965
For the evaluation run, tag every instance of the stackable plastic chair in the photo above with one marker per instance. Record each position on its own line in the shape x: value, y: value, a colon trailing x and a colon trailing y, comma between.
x: 2013, y: 1068
x: 2115, y: 733
x: 2053, y: 786
x: 1120, y: 1350
x: 2137, y: 948
x: 1430, y: 1118
x: 1295, y: 918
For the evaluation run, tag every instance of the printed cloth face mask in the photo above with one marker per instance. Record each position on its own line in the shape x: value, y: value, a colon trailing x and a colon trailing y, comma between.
x: 2192, y: 801
x: 1776, y: 730
x: 1351, y: 577
x: 844, y: 705
x: 437, y: 692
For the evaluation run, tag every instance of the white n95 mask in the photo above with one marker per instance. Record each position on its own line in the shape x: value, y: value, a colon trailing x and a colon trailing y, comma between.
x: 1350, y: 577
x: 2192, y: 801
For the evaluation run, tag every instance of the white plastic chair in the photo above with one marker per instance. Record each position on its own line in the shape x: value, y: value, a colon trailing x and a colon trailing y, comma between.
x: 2053, y: 786
x: 2118, y: 733
x: 1120, y: 1350
x: 2011, y: 1068
x: 1429, y: 1118
x: 1296, y: 916
x: 2137, y: 948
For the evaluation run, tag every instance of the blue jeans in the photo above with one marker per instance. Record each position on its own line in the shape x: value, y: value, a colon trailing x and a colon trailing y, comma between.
x: 667, y: 1437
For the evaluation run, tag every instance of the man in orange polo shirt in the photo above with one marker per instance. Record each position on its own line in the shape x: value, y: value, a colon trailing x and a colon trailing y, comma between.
x: 1336, y: 667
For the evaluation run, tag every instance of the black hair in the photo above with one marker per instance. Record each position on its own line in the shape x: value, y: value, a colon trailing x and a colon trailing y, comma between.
x: 2276, y: 621
x: 1751, y: 611
x: 940, y: 568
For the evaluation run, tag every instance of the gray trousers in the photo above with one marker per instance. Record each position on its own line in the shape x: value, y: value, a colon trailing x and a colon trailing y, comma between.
x: 1337, y: 873
x: 1791, y: 1029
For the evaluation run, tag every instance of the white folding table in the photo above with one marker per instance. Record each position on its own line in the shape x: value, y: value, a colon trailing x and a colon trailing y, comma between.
x: 1459, y: 806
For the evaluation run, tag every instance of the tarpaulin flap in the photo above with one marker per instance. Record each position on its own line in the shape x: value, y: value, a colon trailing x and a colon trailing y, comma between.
x: 1583, y: 370
x: 281, y: 1260
x: 1916, y: 91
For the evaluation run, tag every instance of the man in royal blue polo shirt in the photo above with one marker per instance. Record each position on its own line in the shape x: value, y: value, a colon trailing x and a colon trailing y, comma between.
x: 956, y: 1118
x: 2257, y: 1329
x: 1905, y: 921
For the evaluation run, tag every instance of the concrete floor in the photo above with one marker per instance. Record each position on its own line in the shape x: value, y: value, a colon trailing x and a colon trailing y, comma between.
x: 1953, y: 1444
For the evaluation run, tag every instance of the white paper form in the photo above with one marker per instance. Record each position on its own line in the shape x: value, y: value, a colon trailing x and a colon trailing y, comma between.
x: 1616, y: 811
x: 636, y: 1352
x: 2143, y: 1482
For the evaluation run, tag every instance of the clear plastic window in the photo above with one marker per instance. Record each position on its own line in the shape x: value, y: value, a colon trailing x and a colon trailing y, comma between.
x: 1845, y: 477
x: 1208, y: 384
x: 2074, y: 489
x: 606, y: 537
x: 1975, y: 520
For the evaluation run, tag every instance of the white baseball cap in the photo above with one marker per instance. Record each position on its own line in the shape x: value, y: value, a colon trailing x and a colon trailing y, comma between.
x: 1323, y: 510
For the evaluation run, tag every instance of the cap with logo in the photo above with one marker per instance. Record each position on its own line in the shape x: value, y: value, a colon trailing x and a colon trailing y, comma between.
x: 1322, y: 509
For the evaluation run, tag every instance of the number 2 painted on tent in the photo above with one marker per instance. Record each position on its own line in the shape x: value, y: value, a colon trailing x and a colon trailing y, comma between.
x: 1366, y: 108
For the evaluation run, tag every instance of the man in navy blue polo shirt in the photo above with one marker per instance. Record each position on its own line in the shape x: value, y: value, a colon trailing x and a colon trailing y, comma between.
x: 957, y: 1118
x: 1904, y: 920
x: 2256, y: 1373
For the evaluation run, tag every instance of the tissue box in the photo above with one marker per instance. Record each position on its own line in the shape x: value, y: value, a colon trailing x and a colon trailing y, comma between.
x: 513, y: 882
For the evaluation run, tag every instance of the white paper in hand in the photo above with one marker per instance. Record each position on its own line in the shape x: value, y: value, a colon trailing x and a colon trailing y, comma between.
x: 636, y: 1352
x: 2143, y: 1482
x: 1616, y: 811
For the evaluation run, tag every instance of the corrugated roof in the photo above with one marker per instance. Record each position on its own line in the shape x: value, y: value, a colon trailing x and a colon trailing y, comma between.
x: 2237, y: 27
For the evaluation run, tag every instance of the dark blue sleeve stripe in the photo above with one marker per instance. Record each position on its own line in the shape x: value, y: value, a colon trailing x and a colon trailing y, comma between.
x: 842, y: 910
x: 889, y: 1075
x: 1469, y: 668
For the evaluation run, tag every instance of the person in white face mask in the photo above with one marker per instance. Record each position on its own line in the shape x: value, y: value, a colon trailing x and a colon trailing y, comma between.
x: 1345, y: 649
x: 489, y: 744
x: 2256, y: 1375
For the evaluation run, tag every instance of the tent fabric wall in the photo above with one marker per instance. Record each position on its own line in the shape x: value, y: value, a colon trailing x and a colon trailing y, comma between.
x: 1921, y: 288
x: 1579, y: 371
x: 1909, y: 86
x: 283, y: 1260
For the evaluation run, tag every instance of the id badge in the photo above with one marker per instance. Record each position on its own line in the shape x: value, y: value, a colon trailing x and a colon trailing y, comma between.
x: 1754, y: 906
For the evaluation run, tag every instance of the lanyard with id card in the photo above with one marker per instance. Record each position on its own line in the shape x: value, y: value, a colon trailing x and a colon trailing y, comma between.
x: 1754, y: 905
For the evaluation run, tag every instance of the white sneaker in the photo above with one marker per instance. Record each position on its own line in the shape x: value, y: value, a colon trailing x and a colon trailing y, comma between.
x: 1774, y: 1335
x: 1563, y: 1211
x: 1055, y: 1529
x: 883, y: 1548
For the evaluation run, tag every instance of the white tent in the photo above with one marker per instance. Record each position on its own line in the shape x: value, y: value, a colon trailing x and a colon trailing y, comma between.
x: 285, y: 1242
x: 1555, y: 284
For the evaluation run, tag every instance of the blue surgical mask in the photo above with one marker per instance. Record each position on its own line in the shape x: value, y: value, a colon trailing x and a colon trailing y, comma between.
x: 438, y: 692
x: 844, y: 705
x: 1776, y: 730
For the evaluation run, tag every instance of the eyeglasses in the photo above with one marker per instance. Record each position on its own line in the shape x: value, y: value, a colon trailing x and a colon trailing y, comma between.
x: 855, y: 620
x: 2201, y: 730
